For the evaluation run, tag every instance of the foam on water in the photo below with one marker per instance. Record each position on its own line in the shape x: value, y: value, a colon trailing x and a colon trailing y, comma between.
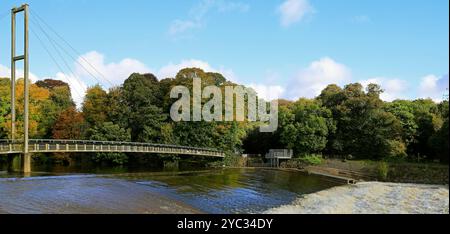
x: 372, y: 198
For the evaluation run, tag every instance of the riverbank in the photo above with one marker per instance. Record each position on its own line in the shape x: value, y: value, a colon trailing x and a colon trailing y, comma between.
x: 83, y: 195
x: 365, y: 170
x: 372, y: 198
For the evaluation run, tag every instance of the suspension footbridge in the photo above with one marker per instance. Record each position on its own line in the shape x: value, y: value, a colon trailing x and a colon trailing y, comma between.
x: 24, y: 147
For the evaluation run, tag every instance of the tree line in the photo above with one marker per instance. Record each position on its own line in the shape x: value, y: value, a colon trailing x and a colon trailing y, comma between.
x: 349, y: 121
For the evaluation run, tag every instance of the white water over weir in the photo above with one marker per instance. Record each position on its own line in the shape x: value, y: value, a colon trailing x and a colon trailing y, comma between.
x: 372, y: 198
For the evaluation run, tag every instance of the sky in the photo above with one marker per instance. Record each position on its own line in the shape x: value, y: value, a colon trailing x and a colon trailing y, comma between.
x: 281, y: 48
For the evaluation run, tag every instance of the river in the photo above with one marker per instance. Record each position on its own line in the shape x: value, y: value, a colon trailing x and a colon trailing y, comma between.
x: 223, y: 191
x: 218, y: 191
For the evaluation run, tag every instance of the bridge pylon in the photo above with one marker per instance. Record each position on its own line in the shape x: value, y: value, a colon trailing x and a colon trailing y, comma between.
x: 25, y: 156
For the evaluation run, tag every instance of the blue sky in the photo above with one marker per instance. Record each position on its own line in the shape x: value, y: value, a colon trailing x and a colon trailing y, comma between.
x: 288, y: 47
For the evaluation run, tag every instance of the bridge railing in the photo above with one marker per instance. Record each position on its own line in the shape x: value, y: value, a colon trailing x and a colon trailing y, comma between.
x: 11, y: 146
x: 47, y: 145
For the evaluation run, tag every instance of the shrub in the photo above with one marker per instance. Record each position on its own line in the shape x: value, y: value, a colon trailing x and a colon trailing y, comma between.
x: 312, y: 159
x: 383, y: 170
x: 230, y: 160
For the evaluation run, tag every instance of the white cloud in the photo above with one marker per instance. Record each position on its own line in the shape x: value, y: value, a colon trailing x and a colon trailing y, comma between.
x: 197, y: 15
x: 77, y: 87
x: 172, y: 69
x: 93, y: 64
x: 268, y: 92
x: 5, y: 72
x: 434, y: 87
x: 90, y: 69
x: 293, y: 11
x: 311, y: 81
x: 393, y: 88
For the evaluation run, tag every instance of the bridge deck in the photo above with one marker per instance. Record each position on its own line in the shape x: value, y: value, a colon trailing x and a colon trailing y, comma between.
x: 76, y: 146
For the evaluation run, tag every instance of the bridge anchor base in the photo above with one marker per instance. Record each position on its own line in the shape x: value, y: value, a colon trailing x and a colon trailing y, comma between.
x: 19, y: 163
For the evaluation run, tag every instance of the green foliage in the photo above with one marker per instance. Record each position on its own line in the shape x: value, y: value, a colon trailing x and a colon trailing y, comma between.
x: 312, y: 159
x: 4, y: 109
x: 142, y: 97
x: 230, y: 160
x: 305, y: 126
x: 340, y: 121
x: 383, y: 170
x: 95, y: 106
x: 404, y: 111
x: 110, y: 132
x: 364, y: 129
x: 439, y: 142
x: 60, y: 100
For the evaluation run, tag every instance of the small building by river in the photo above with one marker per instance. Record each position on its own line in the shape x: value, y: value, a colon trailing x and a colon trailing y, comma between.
x: 276, y: 155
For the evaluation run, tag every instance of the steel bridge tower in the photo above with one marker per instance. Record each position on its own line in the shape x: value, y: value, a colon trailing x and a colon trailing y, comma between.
x: 25, y: 157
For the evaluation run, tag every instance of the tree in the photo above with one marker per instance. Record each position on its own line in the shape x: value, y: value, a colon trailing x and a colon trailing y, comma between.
x: 306, y: 126
x: 364, y: 129
x: 38, y: 98
x: 403, y: 110
x: 115, y: 107
x: 429, y: 121
x: 227, y: 136
x: 59, y: 101
x: 4, y: 109
x: 439, y: 142
x: 95, y: 106
x: 70, y: 125
x: 110, y: 132
x: 143, y: 103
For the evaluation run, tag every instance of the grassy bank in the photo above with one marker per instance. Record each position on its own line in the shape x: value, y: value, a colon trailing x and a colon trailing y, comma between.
x: 399, y: 172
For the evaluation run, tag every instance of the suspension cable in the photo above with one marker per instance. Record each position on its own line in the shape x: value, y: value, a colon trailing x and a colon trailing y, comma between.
x: 59, y: 53
x: 55, y: 61
x: 72, y: 48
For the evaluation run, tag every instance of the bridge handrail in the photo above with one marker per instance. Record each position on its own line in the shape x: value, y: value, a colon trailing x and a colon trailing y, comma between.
x: 60, y: 141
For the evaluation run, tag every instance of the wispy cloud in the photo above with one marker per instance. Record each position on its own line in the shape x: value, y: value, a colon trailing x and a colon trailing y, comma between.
x: 197, y: 14
x: 361, y: 19
x: 180, y: 26
x: 434, y: 87
x: 293, y: 11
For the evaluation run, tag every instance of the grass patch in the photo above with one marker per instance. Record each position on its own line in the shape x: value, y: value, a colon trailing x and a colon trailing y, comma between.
x: 312, y: 159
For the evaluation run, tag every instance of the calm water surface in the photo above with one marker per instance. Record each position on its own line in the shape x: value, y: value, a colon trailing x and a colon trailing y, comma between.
x: 209, y: 191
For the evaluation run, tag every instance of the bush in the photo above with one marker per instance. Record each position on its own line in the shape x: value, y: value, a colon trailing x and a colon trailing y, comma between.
x: 383, y: 170
x: 230, y: 160
x: 312, y: 159
x: 111, y: 158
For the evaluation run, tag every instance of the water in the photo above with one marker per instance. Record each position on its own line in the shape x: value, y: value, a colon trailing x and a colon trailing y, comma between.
x: 372, y: 198
x: 234, y: 190
x: 224, y: 191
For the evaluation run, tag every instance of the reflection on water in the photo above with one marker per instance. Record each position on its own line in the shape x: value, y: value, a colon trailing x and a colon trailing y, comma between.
x: 210, y: 191
x: 234, y: 190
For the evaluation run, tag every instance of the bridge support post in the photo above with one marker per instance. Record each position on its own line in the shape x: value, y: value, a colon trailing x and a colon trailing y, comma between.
x: 13, y: 163
x: 19, y: 163
x: 26, y: 163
